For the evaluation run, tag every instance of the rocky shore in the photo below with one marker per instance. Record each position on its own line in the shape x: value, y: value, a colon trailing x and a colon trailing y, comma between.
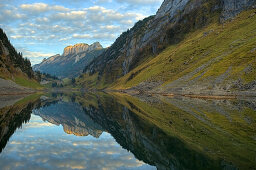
x: 8, y: 87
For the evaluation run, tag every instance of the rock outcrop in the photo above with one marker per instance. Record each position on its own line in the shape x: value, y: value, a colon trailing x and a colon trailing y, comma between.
x: 233, y: 7
x: 72, y: 62
x: 78, y: 48
x: 171, y: 8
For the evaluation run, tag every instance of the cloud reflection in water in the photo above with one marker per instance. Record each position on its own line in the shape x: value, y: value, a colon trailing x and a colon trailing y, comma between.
x: 41, y: 145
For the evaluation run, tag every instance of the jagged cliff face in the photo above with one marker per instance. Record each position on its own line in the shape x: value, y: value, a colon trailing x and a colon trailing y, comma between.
x: 172, y: 22
x: 72, y: 62
x: 171, y: 7
x: 78, y: 48
x: 81, y: 47
x: 233, y: 7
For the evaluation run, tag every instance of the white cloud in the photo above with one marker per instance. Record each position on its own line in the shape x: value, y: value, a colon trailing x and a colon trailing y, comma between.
x: 110, y: 27
x: 81, y: 36
x: 31, y: 54
x: 73, y: 15
x: 17, y: 36
x: 41, y: 7
x: 35, y: 57
x: 65, y: 39
x: 94, y: 36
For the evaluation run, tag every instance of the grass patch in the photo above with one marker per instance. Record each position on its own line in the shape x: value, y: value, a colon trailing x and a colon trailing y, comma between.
x: 25, y: 82
x: 30, y: 98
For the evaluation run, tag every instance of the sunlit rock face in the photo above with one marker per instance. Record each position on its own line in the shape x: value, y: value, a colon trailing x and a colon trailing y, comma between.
x: 75, y: 49
x: 81, y: 131
x: 171, y: 7
x: 81, y: 47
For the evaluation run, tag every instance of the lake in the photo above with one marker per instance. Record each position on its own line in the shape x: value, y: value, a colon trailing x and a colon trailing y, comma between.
x: 118, y: 131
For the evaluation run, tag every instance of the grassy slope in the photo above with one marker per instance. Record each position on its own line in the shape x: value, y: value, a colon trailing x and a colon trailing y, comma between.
x: 22, y: 80
x: 234, y: 41
x: 26, y: 82
x: 91, y: 82
x: 19, y: 78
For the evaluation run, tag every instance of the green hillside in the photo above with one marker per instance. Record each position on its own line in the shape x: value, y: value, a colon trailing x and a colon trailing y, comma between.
x: 217, y: 49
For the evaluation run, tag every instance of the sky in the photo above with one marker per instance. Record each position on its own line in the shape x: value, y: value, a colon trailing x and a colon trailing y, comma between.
x: 42, y: 28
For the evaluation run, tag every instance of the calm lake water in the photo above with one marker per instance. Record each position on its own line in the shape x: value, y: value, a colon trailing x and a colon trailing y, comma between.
x: 114, y: 131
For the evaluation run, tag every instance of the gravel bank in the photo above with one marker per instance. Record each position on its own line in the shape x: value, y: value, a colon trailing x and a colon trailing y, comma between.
x: 8, y: 87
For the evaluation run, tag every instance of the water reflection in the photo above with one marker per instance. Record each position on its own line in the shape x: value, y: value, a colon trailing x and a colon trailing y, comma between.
x: 164, y: 132
x: 13, y: 113
x: 72, y: 117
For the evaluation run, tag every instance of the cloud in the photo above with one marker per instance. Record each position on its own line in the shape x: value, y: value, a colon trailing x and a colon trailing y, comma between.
x: 81, y: 36
x: 35, y: 57
x: 41, y: 7
x: 110, y: 27
x: 7, y: 15
x: 46, y: 27
x: 94, y: 36
x: 38, y: 125
x: 73, y: 15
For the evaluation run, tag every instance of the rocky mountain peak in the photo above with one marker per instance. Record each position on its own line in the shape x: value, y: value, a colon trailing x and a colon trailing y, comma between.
x: 96, y: 45
x: 81, y: 47
x: 171, y: 7
x: 77, y: 48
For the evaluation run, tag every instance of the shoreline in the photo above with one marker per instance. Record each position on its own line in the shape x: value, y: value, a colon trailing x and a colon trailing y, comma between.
x: 16, y: 92
x: 199, y: 96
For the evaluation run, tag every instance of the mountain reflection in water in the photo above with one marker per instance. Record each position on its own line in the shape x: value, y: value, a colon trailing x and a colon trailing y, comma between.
x: 161, y: 132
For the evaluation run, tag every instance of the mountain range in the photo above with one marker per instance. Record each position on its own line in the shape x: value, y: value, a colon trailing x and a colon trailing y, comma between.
x: 72, y: 62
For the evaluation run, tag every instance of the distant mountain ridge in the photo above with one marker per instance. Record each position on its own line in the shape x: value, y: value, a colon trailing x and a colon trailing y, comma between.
x: 72, y: 62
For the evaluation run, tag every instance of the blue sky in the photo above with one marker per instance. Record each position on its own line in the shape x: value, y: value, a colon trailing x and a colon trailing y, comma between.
x: 44, y: 28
